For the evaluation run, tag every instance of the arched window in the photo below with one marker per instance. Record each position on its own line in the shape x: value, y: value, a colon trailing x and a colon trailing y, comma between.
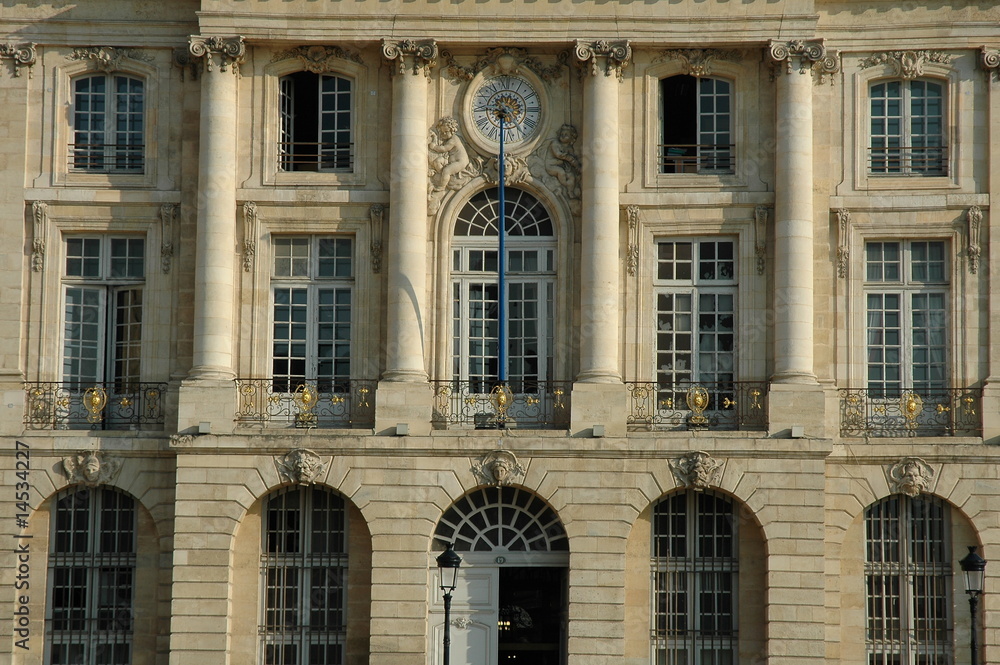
x: 304, y: 576
x: 908, y: 573
x: 907, y: 128
x: 317, y: 127
x: 695, y: 580
x: 502, y: 519
x: 697, y: 131
x: 108, y: 124
x: 92, y: 558
x: 530, y: 291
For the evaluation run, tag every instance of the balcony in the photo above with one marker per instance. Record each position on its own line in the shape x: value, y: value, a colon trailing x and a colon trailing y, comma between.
x: 908, y: 160
x: 99, y: 406
x: 309, y: 404
x: 697, y: 158
x: 728, y: 405
x: 107, y: 157
x: 907, y: 413
x: 488, y: 405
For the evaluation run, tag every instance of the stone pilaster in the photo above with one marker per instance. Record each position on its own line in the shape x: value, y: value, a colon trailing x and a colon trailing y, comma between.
x: 602, y: 63
x: 991, y: 252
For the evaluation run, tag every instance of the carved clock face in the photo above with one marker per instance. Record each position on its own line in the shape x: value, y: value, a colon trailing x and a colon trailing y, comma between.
x: 517, y: 97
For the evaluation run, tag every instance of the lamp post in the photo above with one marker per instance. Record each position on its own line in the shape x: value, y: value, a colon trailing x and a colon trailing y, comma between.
x: 974, y: 567
x: 448, y: 563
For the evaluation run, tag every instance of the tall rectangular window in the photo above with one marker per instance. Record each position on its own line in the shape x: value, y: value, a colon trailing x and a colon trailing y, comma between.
x: 317, y: 132
x: 108, y: 124
x: 907, y: 128
x: 697, y: 127
x: 908, y: 573
x: 906, y: 293
x: 695, y: 298
x: 92, y: 560
x: 312, y: 283
x: 103, y: 292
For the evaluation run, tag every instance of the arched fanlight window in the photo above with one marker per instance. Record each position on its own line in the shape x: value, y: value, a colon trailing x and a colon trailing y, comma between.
x: 509, y: 519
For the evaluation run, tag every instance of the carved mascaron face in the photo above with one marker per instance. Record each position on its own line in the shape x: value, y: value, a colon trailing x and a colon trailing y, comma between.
x: 91, y: 468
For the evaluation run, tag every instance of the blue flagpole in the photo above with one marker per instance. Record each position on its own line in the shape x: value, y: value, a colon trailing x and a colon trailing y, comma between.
x: 502, y: 271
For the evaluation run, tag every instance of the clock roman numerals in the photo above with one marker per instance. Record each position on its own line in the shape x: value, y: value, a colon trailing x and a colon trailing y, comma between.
x: 508, y: 94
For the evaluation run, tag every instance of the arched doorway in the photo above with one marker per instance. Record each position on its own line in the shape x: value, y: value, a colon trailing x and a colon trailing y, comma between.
x: 510, y: 605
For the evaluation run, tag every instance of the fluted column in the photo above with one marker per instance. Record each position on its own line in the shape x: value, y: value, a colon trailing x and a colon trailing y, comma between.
x: 599, y: 266
x: 215, y: 253
x: 793, y: 209
x: 406, y: 260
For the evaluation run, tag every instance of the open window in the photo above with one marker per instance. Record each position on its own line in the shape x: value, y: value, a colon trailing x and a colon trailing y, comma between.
x: 696, y: 131
x: 317, y: 127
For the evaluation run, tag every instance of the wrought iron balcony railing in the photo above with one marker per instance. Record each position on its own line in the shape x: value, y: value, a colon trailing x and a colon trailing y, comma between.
x: 310, y: 403
x: 692, y: 158
x: 727, y: 405
x: 908, y: 160
x: 303, y: 156
x: 489, y: 405
x: 107, y: 157
x: 102, y: 406
x: 882, y: 413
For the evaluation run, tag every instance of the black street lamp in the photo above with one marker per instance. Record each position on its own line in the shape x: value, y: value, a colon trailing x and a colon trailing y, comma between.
x: 974, y: 567
x: 448, y: 563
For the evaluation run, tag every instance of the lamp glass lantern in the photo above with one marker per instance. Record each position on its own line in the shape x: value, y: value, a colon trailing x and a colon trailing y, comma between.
x: 974, y: 568
x: 448, y: 563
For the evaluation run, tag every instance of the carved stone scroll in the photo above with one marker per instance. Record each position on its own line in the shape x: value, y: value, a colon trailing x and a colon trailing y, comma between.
x: 22, y: 55
x: 376, y: 214
x: 974, y: 217
x: 39, y: 218
x: 231, y: 51
x: 632, y: 252
x: 906, y: 64
x: 251, y: 226
x: 109, y: 59
x: 843, y: 241
x: 698, y: 61
x: 318, y: 59
x: 419, y: 56
x: 991, y: 62
x: 760, y: 214
x: 168, y: 213
x: 806, y: 56
x: 611, y: 57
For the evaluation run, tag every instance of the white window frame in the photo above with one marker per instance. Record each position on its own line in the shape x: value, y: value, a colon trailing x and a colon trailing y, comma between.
x: 690, y: 569
x: 904, y: 159
x: 364, y: 104
x: 466, y: 273
x: 92, y: 564
x: 106, y: 154
x: 308, y: 280
x: 303, y: 565
x: 906, y: 288
x: 904, y: 574
x: 702, y: 159
x: 106, y: 286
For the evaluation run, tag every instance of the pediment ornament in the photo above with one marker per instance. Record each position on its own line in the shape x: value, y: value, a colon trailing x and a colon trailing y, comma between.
x: 300, y: 466
x: 318, y: 59
x: 910, y: 476
x: 108, y: 58
x: 499, y: 467
x: 697, y: 470
x: 698, y: 61
x: 90, y: 468
x: 906, y: 64
x: 505, y: 60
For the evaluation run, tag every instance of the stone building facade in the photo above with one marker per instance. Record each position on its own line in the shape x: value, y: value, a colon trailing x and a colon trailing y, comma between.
x: 252, y: 309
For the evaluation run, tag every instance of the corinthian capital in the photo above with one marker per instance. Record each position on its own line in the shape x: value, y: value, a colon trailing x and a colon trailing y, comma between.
x: 611, y: 57
x: 231, y: 52
x: 408, y: 54
x: 806, y: 56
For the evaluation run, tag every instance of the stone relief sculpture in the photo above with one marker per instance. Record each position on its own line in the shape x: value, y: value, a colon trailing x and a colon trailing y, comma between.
x: 300, y: 466
x: 498, y: 468
x: 697, y: 470
x: 558, y: 166
x: 909, y: 476
x: 449, y: 165
x: 90, y: 468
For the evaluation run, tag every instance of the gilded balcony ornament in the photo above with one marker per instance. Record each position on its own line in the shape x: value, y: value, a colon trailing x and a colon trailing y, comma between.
x: 697, y: 401
x: 942, y: 408
x: 728, y: 403
x: 967, y: 402
x: 502, y: 398
x: 305, y: 398
x: 336, y: 399
x: 911, y: 405
x: 94, y: 400
x: 755, y: 393
x: 558, y: 392
x: 667, y: 403
x: 363, y: 397
x: 531, y: 401
x: 125, y: 402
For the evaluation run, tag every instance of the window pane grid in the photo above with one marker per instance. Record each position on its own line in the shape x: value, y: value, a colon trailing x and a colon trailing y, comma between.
x: 908, y: 581
x: 108, y: 124
x: 304, y: 575
x: 91, y: 571
x: 907, y: 128
x: 694, y: 575
x: 316, y: 123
